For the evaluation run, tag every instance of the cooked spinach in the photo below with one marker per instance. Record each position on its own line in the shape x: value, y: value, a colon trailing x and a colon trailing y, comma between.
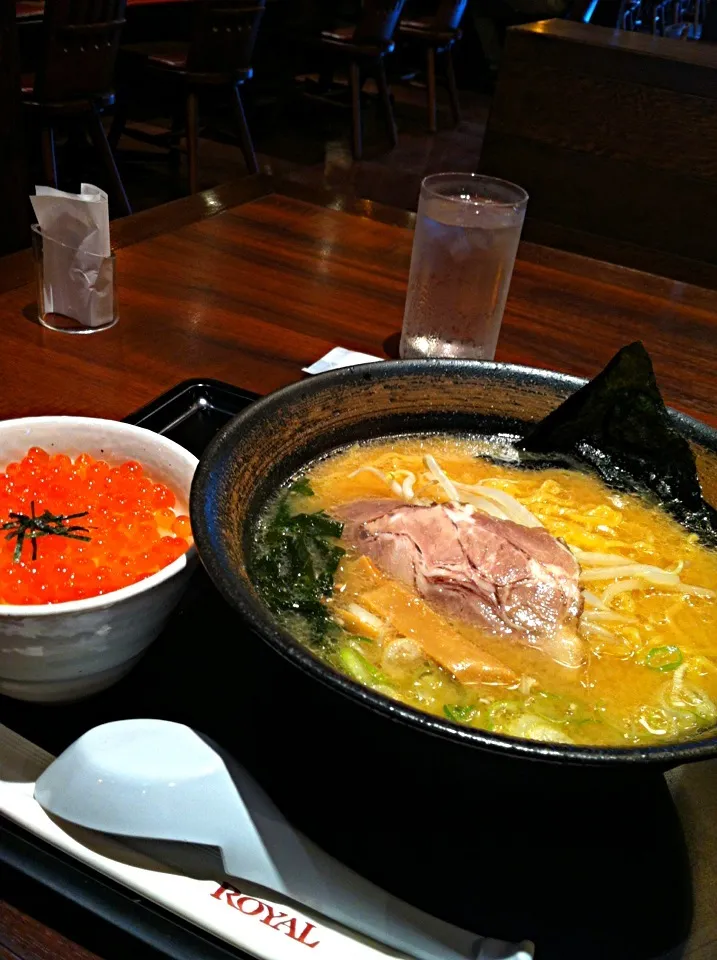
x: 301, y: 487
x: 296, y: 558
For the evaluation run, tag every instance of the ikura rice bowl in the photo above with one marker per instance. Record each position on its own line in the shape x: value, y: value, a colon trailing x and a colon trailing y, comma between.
x: 81, y: 527
x: 95, y: 551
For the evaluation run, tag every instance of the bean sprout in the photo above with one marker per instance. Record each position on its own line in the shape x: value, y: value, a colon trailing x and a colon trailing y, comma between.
x: 607, y: 616
x: 390, y: 481
x: 407, y: 485
x: 592, y: 559
x: 597, y: 629
x: 512, y: 507
x: 624, y: 586
x: 678, y: 680
x: 633, y: 570
x: 441, y: 477
x: 526, y: 685
x: 652, y: 730
x: 696, y: 591
x: 593, y: 600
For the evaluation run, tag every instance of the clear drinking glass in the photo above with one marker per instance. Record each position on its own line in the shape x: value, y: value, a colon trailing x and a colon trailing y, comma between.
x: 76, y: 290
x: 467, y: 233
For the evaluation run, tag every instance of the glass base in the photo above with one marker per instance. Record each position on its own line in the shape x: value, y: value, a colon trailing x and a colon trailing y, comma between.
x: 62, y: 324
x: 433, y: 348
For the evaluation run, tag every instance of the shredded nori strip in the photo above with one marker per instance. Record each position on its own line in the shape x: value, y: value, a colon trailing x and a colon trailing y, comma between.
x: 47, y: 524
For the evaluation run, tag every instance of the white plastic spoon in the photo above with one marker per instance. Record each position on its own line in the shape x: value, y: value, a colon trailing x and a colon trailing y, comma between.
x: 157, y: 780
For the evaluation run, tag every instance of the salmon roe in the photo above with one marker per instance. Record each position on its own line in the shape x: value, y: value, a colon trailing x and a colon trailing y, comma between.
x: 132, y: 527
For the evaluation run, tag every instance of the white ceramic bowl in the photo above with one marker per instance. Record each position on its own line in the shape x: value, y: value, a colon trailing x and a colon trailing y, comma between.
x: 64, y: 651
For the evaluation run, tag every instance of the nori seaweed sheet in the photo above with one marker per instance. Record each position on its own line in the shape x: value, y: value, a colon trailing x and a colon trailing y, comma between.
x: 618, y: 424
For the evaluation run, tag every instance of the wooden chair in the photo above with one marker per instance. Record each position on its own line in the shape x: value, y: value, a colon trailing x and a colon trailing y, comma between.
x: 29, y: 10
x: 14, y: 188
x: 364, y: 48
x: 438, y: 34
x: 218, y: 54
x: 73, y: 82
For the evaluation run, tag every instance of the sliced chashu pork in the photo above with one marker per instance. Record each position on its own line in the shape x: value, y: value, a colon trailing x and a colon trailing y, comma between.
x: 515, y: 581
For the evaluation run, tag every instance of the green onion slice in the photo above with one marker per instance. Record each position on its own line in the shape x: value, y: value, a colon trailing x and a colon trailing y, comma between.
x: 361, y: 669
x: 458, y: 713
x: 664, y: 659
x: 502, y: 710
x: 556, y: 708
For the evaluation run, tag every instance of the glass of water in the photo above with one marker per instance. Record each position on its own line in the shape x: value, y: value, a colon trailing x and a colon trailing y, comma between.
x: 467, y: 233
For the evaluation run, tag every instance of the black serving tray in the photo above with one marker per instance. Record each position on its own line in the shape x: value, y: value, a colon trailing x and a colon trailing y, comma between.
x: 595, y: 876
x: 102, y: 915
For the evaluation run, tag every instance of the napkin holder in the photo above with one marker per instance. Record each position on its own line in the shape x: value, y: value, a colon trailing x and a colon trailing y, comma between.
x: 76, y: 289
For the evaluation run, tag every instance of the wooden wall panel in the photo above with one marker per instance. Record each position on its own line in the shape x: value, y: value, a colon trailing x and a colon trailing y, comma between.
x: 614, y: 136
x: 672, y: 131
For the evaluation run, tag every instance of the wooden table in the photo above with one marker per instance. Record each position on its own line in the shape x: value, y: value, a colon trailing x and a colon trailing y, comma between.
x: 251, y: 290
x: 250, y: 282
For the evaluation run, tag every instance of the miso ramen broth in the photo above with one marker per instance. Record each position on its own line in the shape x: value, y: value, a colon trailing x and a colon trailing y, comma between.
x: 537, y: 603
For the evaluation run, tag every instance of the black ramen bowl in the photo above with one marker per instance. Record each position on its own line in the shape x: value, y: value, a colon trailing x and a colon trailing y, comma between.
x: 312, y: 706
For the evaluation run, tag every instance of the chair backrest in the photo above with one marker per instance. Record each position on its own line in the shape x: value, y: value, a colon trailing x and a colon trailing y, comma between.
x: 223, y: 36
x: 80, y: 42
x: 449, y: 15
x: 378, y: 22
x: 14, y: 188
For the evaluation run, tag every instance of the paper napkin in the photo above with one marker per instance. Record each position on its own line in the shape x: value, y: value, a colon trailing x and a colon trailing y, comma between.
x: 340, y: 357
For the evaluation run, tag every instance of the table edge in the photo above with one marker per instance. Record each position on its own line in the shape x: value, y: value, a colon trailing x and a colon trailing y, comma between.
x: 16, y: 269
